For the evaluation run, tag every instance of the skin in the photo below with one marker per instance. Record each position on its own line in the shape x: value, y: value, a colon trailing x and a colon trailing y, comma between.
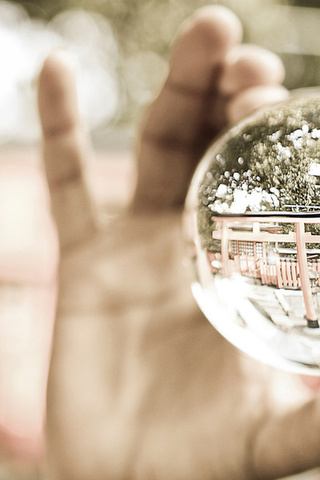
x: 140, y: 384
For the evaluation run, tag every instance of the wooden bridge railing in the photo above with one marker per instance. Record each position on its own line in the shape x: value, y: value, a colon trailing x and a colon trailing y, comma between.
x: 282, y: 273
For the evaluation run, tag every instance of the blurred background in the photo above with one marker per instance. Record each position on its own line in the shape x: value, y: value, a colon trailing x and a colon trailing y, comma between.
x: 120, y: 49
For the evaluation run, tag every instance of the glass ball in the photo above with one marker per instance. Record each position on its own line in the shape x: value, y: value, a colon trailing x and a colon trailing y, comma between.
x: 252, y: 232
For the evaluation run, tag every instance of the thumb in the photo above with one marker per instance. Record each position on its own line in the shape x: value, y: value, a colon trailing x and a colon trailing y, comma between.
x: 288, y: 444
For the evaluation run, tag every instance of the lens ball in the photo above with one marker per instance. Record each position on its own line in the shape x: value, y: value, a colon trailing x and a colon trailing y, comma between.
x: 252, y: 234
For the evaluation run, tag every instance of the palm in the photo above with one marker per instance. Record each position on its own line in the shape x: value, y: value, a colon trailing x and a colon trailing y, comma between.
x: 159, y: 378
x: 139, y: 382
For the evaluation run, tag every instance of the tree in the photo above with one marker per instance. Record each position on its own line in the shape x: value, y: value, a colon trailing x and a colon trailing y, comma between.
x: 268, y: 162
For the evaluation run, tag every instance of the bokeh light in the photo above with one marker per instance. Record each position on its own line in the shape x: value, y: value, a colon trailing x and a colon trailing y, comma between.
x: 25, y: 42
x: 121, y: 51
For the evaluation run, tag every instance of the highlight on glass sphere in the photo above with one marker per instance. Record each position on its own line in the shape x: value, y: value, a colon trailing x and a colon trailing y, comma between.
x: 252, y: 230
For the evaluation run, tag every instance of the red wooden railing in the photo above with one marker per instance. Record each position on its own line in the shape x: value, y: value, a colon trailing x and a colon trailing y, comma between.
x: 282, y: 273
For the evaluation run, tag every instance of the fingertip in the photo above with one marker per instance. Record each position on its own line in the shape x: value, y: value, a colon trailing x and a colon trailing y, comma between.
x: 57, y: 93
x: 57, y: 65
x: 254, y: 98
x: 221, y: 24
x: 248, y: 65
x: 204, y: 40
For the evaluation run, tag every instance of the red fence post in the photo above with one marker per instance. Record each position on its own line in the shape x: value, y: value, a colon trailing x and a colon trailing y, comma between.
x: 311, y: 313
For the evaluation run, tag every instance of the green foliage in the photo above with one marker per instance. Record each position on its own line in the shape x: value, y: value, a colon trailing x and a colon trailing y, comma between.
x: 266, y: 161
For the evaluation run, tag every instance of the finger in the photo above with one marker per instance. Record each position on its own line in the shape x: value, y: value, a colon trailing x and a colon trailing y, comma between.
x: 175, y: 131
x: 249, y: 65
x: 253, y: 98
x: 288, y: 444
x: 64, y: 150
x: 204, y: 40
x: 311, y: 382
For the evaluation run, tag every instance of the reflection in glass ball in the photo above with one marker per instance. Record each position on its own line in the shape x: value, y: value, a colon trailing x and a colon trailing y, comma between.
x: 252, y: 227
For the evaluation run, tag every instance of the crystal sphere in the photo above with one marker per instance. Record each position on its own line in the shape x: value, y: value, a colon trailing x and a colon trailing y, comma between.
x: 252, y: 232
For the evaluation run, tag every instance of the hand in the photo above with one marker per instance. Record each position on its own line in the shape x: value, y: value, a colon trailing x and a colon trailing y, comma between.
x: 141, y: 386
